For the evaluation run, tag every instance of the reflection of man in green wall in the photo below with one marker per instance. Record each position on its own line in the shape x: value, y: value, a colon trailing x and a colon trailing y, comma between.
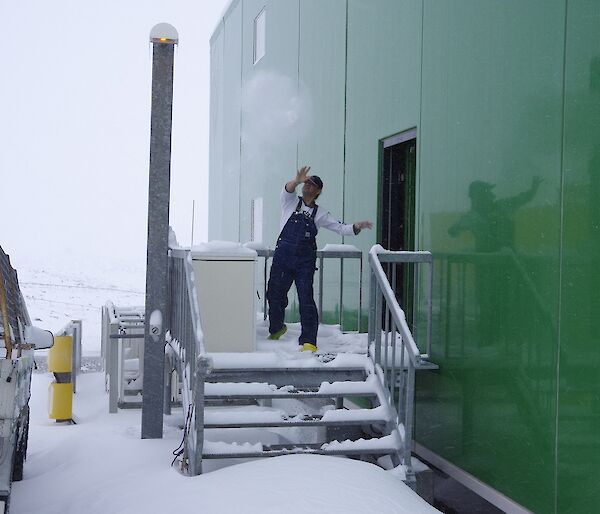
x: 492, y: 221
x: 497, y: 274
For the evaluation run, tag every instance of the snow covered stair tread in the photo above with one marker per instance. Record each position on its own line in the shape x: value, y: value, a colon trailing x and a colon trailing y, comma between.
x: 273, y: 418
x: 286, y: 360
x: 293, y: 403
x: 378, y: 446
x: 260, y: 390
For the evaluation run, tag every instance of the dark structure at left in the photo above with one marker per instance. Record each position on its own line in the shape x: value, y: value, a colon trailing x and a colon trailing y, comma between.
x: 19, y: 339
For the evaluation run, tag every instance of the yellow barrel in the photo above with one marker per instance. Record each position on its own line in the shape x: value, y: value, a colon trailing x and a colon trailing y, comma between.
x: 60, y: 355
x: 60, y: 401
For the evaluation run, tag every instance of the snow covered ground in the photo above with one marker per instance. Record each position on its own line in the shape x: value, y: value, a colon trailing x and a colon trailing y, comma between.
x: 101, y: 465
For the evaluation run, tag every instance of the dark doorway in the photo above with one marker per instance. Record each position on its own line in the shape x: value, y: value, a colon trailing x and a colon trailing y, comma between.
x: 397, y: 209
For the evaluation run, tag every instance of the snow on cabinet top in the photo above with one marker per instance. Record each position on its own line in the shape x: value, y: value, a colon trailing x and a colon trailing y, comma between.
x: 222, y: 250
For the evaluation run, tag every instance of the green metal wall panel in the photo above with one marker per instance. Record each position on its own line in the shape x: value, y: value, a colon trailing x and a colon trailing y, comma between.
x: 216, y: 186
x: 232, y: 41
x: 492, y: 113
x: 384, y: 41
x: 322, y: 77
x: 579, y: 399
x: 382, y: 99
x: 269, y: 123
x: 495, y: 100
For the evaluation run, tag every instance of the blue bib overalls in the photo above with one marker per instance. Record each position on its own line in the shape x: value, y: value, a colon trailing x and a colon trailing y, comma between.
x: 294, y: 261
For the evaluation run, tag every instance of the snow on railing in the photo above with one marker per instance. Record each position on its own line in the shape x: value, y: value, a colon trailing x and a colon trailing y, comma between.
x: 185, y: 347
x: 391, y: 343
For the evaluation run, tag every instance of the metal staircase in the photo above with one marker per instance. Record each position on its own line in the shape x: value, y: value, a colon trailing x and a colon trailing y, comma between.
x: 257, y: 393
x: 334, y: 429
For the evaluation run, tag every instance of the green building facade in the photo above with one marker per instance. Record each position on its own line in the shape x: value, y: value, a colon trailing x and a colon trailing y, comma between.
x: 500, y: 102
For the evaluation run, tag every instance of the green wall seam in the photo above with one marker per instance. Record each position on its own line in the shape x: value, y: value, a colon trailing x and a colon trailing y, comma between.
x: 419, y: 218
x: 560, y: 255
x: 239, y: 223
x: 345, y: 124
x: 298, y: 77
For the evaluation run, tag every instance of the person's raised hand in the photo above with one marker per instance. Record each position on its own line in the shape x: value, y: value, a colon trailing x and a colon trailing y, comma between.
x: 301, y: 174
x: 363, y: 224
x: 359, y: 225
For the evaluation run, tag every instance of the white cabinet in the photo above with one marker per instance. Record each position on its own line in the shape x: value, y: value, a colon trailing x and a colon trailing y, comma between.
x: 224, y: 277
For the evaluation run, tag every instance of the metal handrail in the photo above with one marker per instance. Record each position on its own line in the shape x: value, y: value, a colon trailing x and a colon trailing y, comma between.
x: 340, y: 252
x: 386, y: 321
x: 186, y: 348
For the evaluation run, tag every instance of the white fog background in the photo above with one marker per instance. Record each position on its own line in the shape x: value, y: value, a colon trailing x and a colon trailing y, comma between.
x: 75, y: 131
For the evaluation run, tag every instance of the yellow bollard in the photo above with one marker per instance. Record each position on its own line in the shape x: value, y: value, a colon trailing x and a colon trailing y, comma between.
x: 60, y: 392
x: 60, y: 355
x: 60, y: 401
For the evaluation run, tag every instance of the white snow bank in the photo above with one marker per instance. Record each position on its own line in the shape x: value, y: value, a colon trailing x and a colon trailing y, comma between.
x: 102, y: 466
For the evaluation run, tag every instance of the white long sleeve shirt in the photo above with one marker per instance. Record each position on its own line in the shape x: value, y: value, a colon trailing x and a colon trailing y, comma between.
x: 324, y: 219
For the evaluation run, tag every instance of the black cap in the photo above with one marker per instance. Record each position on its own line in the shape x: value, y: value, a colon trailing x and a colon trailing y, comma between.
x: 316, y: 181
x: 477, y: 187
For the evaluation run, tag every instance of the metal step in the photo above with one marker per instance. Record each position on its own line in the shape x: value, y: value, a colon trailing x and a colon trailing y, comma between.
x: 274, y: 360
x: 334, y: 417
x: 386, y: 445
x: 280, y: 377
x: 304, y: 371
x: 260, y: 391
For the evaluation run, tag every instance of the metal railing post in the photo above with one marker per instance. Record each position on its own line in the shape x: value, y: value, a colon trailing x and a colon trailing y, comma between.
x: 167, y: 389
x: 430, y: 309
x: 372, y: 296
x: 265, y: 290
x: 113, y: 371
x: 202, y: 370
x: 341, y: 317
x: 408, y: 421
x: 320, y: 287
x: 378, y: 305
x: 104, y: 342
x: 360, y: 291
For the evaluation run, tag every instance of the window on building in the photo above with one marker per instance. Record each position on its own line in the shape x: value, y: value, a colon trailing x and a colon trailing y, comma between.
x: 260, y: 35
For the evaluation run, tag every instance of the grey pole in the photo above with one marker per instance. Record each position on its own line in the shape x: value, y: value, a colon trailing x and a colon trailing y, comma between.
x: 163, y: 37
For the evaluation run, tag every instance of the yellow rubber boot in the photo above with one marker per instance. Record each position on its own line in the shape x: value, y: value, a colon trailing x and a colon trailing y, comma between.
x: 308, y: 347
x: 278, y: 334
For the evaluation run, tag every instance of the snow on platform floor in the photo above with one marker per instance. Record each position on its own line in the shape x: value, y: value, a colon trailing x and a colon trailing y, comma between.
x: 329, y: 339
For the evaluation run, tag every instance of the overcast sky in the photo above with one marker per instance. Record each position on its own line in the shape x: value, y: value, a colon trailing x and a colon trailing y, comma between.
x: 74, y: 137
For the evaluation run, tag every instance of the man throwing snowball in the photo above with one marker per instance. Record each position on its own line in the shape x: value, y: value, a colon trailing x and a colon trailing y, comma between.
x: 295, y: 255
